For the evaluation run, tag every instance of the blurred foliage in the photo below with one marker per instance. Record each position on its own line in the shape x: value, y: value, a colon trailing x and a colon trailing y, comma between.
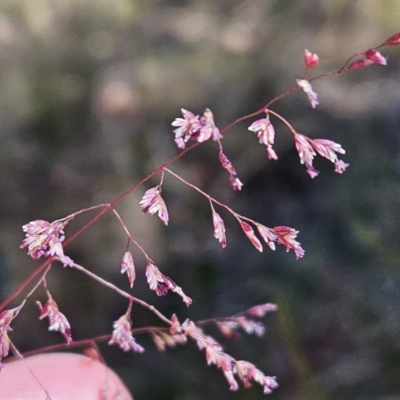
x: 89, y: 89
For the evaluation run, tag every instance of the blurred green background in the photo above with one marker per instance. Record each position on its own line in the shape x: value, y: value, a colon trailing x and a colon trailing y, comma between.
x: 89, y: 89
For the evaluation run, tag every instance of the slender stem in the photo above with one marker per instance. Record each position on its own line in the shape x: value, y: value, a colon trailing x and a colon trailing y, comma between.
x: 121, y: 292
x: 283, y: 120
x: 236, y: 121
x: 207, y: 196
x: 73, y: 215
x: 25, y: 283
x: 84, y: 342
x: 86, y: 226
x: 129, y: 235
x: 42, y: 279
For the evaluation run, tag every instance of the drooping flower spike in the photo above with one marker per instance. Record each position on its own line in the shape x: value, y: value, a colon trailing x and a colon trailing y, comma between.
x: 196, y: 128
x: 230, y: 367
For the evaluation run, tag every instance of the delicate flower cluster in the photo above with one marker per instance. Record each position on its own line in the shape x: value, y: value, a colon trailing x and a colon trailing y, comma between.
x: 244, y: 370
x: 152, y: 202
x: 5, y: 320
x: 45, y: 239
x: 128, y: 266
x: 194, y: 127
x: 122, y: 335
x: 266, y: 134
x: 161, y: 283
x: 308, y: 148
x: 57, y: 320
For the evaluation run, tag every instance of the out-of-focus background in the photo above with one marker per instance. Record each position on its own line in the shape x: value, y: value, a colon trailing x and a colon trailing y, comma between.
x: 88, y: 92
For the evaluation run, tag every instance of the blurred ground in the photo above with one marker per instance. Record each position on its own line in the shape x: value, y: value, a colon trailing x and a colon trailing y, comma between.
x: 88, y: 92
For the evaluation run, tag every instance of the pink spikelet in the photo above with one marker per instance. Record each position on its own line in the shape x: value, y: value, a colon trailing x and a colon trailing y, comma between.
x: 235, y: 182
x: 122, y: 335
x: 128, y: 266
x: 306, y: 153
x: 307, y: 88
x: 262, y: 309
x: 267, y: 235
x: 340, y: 166
x: 186, y: 127
x: 175, y: 325
x: 375, y: 57
x: 194, y: 127
x: 266, y: 135
x: 248, y: 230
x: 359, y: 64
x: 161, y: 283
x: 286, y: 236
x: 247, y: 372
x: 208, y: 129
x: 57, y: 320
x: 226, y: 163
x: 162, y: 340
x: 328, y: 149
x: 5, y: 320
x: 219, y: 227
x: 229, y: 326
x: 45, y: 239
x: 393, y: 40
x: 152, y: 202
x: 311, y: 60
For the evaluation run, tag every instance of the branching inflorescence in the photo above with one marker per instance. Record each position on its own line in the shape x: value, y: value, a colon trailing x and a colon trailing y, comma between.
x: 47, y: 239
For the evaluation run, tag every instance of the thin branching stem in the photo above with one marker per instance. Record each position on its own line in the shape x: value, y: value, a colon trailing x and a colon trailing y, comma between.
x: 121, y: 292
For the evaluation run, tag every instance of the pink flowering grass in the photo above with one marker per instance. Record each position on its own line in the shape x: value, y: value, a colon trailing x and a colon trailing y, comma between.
x: 48, y: 240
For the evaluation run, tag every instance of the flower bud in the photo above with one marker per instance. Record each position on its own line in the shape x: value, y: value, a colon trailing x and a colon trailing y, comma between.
x: 310, y: 59
x: 375, y: 56
x: 393, y: 40
x: 360, y: 64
